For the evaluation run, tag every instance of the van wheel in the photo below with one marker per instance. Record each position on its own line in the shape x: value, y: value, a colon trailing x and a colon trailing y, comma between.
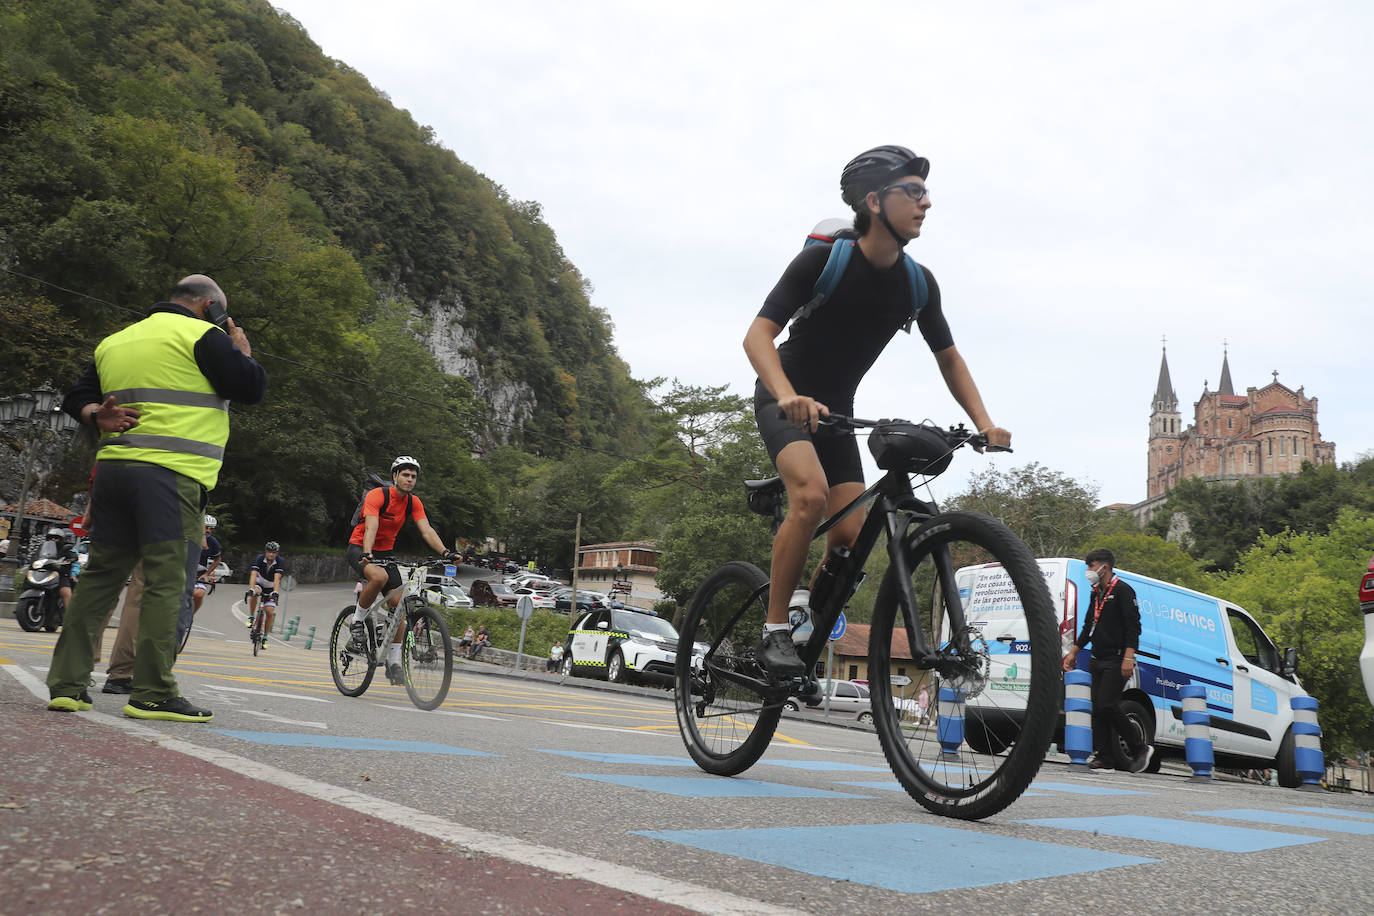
x: 1144, y: 730
x: 1287, y: 762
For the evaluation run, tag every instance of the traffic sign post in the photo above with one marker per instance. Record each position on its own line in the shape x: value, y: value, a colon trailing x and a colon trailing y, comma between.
x: 524, y: 609
x: 835, y: 633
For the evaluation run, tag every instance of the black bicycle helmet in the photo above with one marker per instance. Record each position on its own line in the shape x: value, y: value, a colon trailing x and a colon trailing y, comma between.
x: 875, y: 168
x: 272, y: 547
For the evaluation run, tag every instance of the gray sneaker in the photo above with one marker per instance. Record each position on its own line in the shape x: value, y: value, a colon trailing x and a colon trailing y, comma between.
x: 779, y: 657
x: 396, y: 674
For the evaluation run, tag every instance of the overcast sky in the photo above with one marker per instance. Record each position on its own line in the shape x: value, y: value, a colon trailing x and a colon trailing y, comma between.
x: 1103, y: 175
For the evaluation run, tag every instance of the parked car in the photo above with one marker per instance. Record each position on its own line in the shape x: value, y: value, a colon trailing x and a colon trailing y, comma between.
x: 531, y: 580
x: 446, y: 595
x: 851, y: 698
x: 623, y: 644
x: 492, y: 594
x: 586, y: 601
x: 541, y: 599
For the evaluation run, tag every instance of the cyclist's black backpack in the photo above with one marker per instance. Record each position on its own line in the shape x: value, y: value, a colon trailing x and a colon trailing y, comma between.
x: 841, y: 238
x: 373, y: 482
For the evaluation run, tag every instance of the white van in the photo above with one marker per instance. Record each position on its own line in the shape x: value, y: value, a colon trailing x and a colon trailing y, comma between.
x: 1186, y: 637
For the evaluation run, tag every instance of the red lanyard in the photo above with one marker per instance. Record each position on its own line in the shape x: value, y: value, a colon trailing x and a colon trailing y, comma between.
x: 1099, y: 601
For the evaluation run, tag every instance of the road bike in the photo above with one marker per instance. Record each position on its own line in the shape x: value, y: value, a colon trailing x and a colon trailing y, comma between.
x: 994, y: 688
x: 426, y: 651
x: 258, y: 633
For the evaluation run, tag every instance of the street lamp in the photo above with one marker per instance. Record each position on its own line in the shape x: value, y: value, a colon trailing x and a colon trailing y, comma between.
x: 22, y: 408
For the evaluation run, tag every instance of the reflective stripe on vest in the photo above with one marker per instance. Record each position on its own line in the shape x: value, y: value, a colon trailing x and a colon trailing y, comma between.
x: 183, y: 425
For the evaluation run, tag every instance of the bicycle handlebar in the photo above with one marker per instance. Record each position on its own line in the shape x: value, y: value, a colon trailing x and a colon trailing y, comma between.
x: 954, y: 435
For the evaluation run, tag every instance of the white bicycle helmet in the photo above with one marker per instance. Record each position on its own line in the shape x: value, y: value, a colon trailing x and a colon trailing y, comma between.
x: 405, y: 461
x: 210, y: 521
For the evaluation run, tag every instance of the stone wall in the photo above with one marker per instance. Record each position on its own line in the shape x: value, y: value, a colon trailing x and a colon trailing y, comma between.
x: 306, y: 569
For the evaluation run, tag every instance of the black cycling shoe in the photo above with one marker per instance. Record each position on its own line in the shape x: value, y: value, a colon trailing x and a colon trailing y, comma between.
x: 396, y: 674
x: 779, y: 657
x: 118, y: 685
x: 174, y: 709
x: 358, y: 644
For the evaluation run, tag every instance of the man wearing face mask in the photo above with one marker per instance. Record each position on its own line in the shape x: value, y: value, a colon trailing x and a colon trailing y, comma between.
x: 1112, y: 625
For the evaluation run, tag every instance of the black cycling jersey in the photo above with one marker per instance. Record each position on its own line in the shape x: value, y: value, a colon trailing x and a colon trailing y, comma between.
x: 828, y: 352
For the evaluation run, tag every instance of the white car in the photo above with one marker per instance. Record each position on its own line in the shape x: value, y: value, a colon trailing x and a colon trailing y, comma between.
x: 541, y: 598
x: 449, y: 595
x: 852, y: 699
x: 621, y: 644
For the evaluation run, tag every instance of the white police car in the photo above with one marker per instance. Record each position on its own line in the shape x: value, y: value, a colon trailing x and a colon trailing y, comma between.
x: 620, y: 643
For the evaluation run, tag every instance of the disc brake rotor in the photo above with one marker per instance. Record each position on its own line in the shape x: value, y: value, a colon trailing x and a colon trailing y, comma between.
x: 965, y: 664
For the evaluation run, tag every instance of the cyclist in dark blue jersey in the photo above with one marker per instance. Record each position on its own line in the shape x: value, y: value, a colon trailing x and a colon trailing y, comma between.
x: 827, y: 353
x: 264, y: 580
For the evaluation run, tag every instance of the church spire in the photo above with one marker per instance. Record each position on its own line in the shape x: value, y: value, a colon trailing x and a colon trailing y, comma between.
x: 1165, y: 399
x: 1225, y: 386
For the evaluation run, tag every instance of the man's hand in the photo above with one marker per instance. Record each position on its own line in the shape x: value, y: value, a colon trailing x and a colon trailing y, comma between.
x: 803, y: 411
x: 112, y: 418
x: 996, y: 436
x: 1127, y: 667
x: 239, y: 338
x: 451, y: 555
x: 1071, y: 660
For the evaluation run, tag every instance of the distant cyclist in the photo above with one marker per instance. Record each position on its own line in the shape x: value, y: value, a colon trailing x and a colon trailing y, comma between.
x: 209, y: 559
x: 265, y: 580
x: 385, y: 510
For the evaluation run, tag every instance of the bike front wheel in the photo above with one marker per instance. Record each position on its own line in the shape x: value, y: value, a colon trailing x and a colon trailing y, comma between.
x: 427, y: 656
x: 724, y: 720
x: 352, y: 670
x: 995, y: 687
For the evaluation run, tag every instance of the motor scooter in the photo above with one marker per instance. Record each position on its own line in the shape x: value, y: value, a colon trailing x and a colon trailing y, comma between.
x: 40, y: 604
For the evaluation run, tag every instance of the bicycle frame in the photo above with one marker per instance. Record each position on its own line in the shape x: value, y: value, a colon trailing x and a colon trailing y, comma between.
x: 411, y: 582
x: 895, y: 509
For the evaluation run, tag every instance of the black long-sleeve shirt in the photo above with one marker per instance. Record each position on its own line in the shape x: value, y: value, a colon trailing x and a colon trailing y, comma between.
x: 1118, y: 626
x: 234, y: 377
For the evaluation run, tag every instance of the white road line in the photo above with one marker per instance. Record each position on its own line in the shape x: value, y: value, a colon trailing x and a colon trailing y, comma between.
x: 267, y: 693
x: 282, y: 720
x: 621, y: 877
x: 441, y: 712
x: 608, y: 728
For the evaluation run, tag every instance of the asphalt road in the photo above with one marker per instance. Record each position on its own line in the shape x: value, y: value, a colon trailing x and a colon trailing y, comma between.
x: 595, y: 784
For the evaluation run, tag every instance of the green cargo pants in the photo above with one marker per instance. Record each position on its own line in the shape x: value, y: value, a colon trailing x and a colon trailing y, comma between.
x: 139, y: 512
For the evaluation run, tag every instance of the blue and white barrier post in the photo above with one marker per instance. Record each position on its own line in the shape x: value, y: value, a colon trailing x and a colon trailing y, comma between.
x: 1307, y: 745
x: 1078, y: 718
x: 950, y: 730
x: 1197, y: 743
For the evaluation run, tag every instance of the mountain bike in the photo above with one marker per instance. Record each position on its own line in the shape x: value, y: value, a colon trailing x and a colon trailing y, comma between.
x: 994, y: 688
x: 426, y: 651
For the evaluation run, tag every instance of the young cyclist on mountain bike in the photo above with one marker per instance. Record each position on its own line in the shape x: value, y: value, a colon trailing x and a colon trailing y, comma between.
x: 384, y: 511
x: 264, y: 583
x: 827, y: 353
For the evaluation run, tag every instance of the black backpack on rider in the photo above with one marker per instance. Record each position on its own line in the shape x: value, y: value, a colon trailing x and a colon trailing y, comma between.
x: 373, y: 482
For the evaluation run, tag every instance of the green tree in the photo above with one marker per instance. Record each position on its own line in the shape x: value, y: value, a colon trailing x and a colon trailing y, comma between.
x: 1301, y: 587
x: 1051, y: 512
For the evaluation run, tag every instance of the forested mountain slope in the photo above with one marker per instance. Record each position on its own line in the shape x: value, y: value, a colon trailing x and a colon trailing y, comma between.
x: 144, y: 140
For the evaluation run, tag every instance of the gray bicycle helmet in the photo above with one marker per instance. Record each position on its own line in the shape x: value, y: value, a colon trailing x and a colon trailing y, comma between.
x: 405, y: 461
x: 875, y: 168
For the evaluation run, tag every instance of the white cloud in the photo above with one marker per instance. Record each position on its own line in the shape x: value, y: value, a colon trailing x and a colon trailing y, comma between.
x: 1102, y: 175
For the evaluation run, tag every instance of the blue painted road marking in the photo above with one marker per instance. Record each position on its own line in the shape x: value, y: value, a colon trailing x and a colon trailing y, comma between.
x: 646, y: 759
x: 1078, y: 789
x: 1287, y: 819
x: 821, y: 765
x: 1180, y: 833
x: 711, y: 786
x: 1338, y: 812
x: 341, y: 743
x: 908, y: 858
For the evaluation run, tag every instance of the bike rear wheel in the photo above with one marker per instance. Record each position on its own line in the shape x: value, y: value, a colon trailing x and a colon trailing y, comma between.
x: 352, y: 671
x: 992, y: 719
x: 726, y: 725
x: 427, y: 656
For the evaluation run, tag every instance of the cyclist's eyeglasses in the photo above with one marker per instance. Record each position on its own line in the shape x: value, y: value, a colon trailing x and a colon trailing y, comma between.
x: 914, y: 192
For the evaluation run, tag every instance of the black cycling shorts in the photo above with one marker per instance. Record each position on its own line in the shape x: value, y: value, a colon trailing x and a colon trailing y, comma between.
x: 354, y: 556
x: 838, y: 450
